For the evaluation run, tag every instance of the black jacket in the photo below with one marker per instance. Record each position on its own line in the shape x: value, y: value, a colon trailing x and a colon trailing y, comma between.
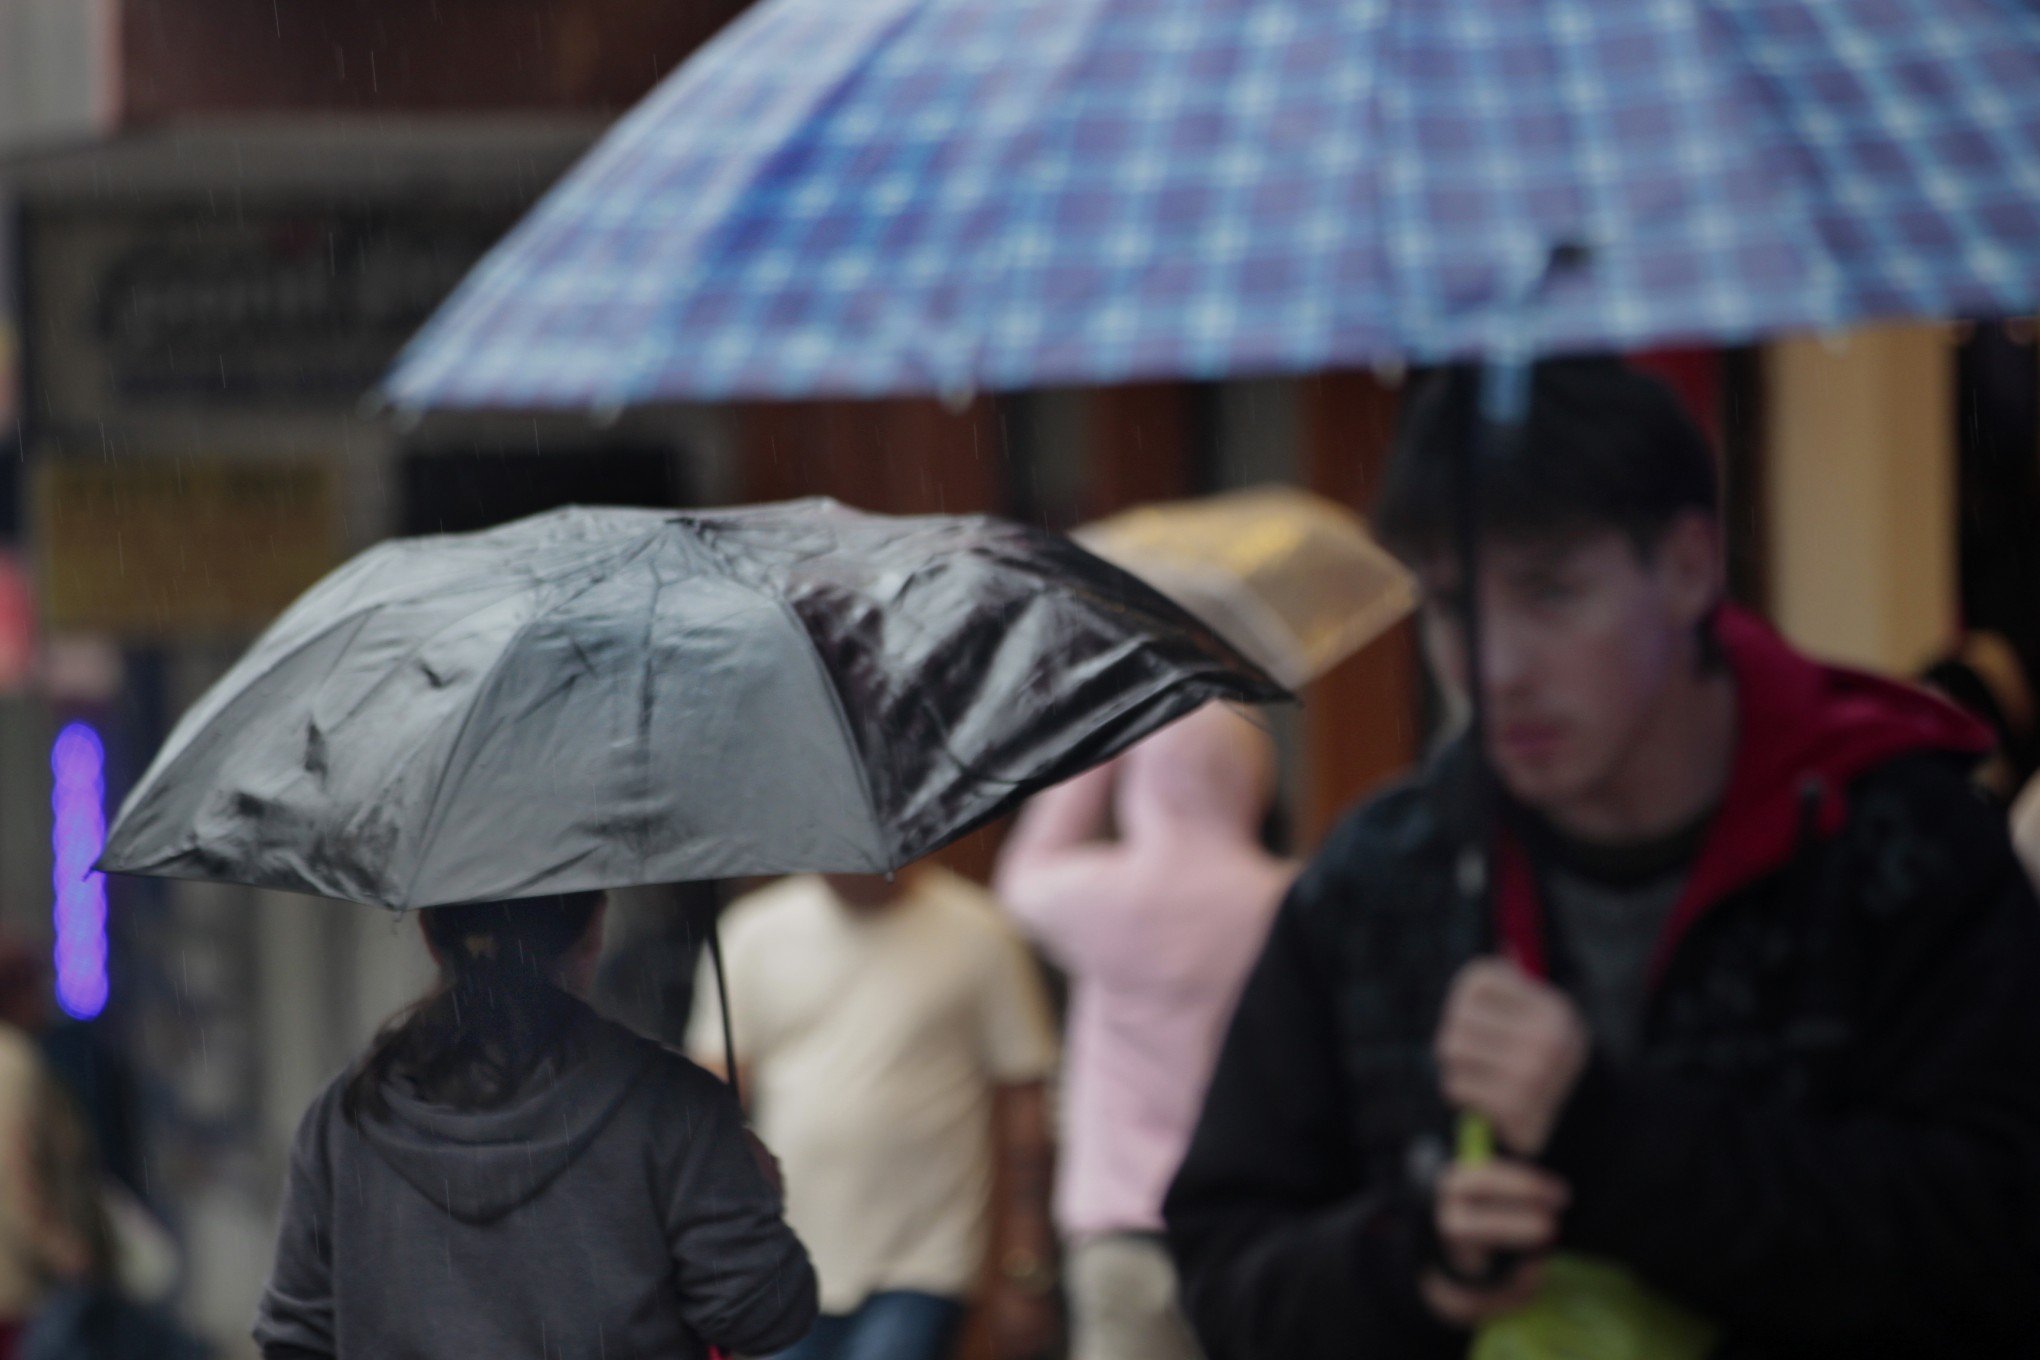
x: 1831, y: 1144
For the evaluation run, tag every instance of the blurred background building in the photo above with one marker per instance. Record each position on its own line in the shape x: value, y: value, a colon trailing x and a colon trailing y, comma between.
x: 220, y: 218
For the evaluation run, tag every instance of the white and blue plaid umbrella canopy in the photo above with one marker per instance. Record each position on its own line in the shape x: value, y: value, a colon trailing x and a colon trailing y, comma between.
x: 864, y: 197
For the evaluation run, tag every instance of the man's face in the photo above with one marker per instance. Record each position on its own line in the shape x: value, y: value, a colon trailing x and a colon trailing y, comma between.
x: 1581, y: 636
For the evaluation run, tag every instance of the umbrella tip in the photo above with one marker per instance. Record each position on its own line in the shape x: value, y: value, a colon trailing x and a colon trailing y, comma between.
x: 1570, y: 256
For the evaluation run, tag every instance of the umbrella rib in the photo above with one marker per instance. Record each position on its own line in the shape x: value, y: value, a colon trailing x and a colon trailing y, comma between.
x: 878, y: 831
x: 357, y: 617
x: 646, y: 780
x: 705, y: 534
x: 144, y: 787
x: 430, y: 821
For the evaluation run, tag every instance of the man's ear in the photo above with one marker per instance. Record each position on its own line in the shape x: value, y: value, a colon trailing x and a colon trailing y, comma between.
x: 1691, y: 562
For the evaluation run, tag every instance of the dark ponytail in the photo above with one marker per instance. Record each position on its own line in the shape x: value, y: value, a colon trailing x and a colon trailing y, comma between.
x: 496, y: 1015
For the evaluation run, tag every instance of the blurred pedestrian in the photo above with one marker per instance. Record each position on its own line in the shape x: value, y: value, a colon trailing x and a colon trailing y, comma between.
x: 78, y: 1053
x: 1985, y: 677
x: 61, y: 1295
x: 1156, y: 927
x: 895, y: 1045
x: 35, y: 1247
x: 506, y: 1174
x: 1752, y: 1020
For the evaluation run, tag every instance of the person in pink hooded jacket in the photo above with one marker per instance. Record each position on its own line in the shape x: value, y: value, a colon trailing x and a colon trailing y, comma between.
x: 1156, y: 927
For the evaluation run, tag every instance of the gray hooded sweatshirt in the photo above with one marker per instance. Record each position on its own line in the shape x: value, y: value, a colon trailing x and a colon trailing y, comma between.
x: 611, y: 1211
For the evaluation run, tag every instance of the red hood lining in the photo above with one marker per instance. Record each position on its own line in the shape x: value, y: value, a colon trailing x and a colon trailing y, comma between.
x: 1800, y: 725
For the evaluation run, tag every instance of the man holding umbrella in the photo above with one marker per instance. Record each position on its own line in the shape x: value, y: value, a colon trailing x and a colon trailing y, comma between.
x: 1750, y: 1012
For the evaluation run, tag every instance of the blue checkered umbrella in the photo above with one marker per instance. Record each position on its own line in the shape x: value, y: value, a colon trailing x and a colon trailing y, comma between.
x: 889, y: 196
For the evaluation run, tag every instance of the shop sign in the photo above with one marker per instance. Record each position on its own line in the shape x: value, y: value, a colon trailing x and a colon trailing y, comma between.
x: 166, y: 548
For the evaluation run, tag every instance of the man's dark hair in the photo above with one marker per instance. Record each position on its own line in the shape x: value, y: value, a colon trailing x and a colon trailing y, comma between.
x: 1605, y: 447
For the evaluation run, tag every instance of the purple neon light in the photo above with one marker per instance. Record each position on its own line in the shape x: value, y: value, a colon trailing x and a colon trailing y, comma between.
x: 77, y: 834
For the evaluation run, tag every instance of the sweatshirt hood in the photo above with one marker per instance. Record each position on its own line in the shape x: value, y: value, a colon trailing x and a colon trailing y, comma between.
x: 478, y: 1165
x: 1804, y: 732
x: 1210, y: 774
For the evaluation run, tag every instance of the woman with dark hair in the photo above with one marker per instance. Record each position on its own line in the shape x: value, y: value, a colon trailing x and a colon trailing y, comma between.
x: 504, y: 1173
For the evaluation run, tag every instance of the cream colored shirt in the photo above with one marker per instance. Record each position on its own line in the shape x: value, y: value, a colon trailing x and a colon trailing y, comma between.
x: 873, y: 1042
x: 21, y: 1283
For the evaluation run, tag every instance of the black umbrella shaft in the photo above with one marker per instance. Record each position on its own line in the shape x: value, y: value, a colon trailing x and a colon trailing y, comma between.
x: 722, y: 996
x: 1504, y: 405
x: 1504, y: 393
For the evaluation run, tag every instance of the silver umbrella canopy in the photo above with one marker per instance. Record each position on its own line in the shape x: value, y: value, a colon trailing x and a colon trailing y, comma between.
x: 599, y: 698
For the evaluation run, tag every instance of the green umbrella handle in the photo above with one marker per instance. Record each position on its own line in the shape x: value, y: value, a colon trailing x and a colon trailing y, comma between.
x: 1476, y: 1141
x: 1476, y: 1147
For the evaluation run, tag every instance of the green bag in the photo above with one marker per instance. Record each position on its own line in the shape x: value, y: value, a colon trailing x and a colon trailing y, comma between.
x: 1591, y: 1309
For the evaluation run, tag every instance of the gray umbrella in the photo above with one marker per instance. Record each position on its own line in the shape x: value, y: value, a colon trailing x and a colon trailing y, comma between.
x: 599, y: 698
